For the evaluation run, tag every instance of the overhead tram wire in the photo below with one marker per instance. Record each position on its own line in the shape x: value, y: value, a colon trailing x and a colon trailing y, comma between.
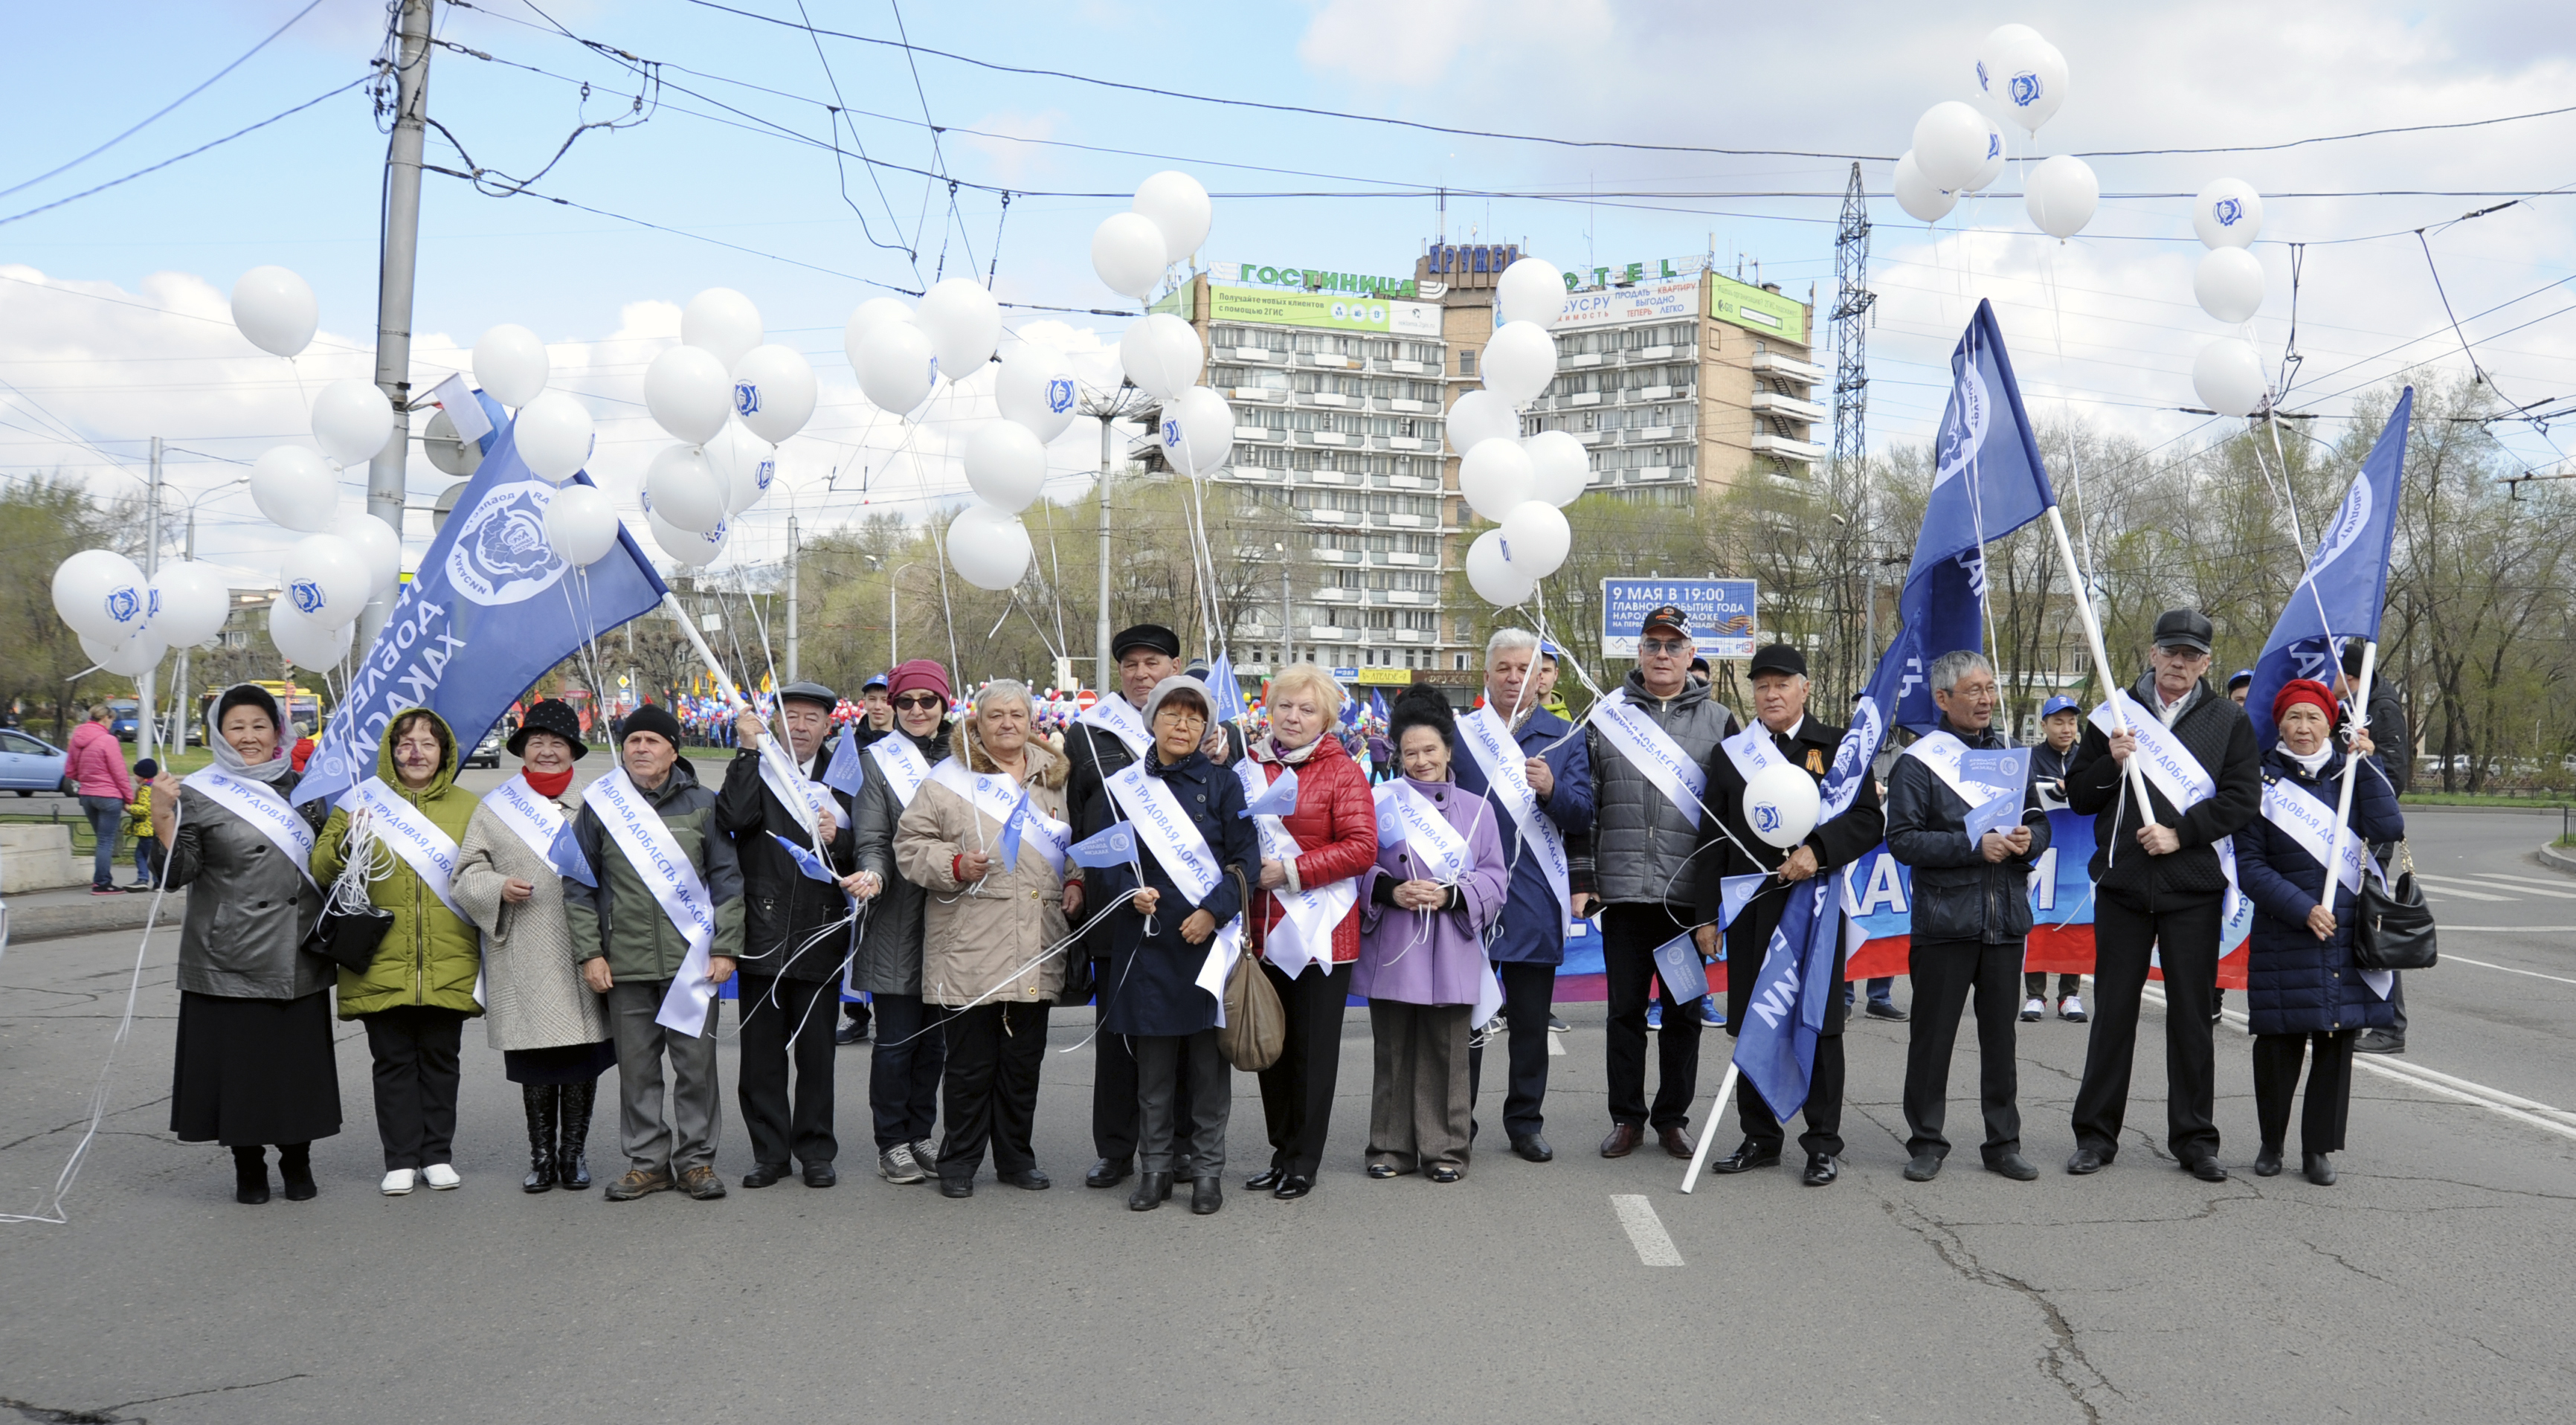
x: 912, y: 250
x: 333, y: 92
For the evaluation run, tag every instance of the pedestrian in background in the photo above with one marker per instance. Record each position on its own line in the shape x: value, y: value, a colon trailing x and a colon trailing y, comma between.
x: 138, y: 823
x: 95, y: 763
x: 2061, y: 722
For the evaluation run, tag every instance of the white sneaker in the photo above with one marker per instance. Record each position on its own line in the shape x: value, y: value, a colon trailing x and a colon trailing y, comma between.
x: 440, y: 1176
x: 396, y: 1183
x: 2033, y: 1010
x: 2071, y: 1009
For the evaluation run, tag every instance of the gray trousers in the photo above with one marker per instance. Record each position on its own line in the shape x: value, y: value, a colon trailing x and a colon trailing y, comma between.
x: 1418, y: 1103
x: 1158, y: 1076
x: 696, y: 1110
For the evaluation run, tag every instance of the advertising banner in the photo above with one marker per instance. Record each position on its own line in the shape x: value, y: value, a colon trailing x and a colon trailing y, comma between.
x: 1721, y: 613
x: 1676, y: 300
x: 1328, y: 310
x: 1756, y: 310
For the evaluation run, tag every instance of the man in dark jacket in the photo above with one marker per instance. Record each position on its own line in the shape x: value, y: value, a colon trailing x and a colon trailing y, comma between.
x: 2061, y: 723
x: 2395, y: 760
x: 875, y: 722
x: 796, y: 937
x: 1971, y: 915
x: 1729, y: 847
x: 2161, y: 878
x: 631, y: 951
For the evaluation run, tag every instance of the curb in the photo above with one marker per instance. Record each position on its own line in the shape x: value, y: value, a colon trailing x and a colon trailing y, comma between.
x: 2556, y: 858
x: 58, y: 922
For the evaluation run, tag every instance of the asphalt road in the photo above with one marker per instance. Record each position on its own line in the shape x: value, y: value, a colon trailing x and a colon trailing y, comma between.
x: 2430, y: 1283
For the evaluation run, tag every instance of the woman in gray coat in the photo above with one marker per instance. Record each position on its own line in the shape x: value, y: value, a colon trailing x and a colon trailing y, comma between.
x: 551, y: 1029
x: 911, y: 1054
x: 253, y: 1064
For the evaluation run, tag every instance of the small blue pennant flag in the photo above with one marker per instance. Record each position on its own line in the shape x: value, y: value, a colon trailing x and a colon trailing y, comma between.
x: 1228, y: 690
x: 846, y: 773
x: 1114, y: 845
x: 806, y: 861
x: 1277, y: 799
x: 565, y: 855
x: 1010, y: 848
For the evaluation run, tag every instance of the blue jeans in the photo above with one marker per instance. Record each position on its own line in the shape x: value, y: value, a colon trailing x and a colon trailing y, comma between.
x: 106, y: 818
x: 1882, y: 990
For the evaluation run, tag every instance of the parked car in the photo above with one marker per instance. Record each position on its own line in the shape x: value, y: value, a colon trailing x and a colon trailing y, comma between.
x: 486, y: 753
x: 29, y: 765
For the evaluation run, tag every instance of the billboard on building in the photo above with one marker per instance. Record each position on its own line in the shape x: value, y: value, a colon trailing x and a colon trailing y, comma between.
x: 1721, y: 612
x: 1756, y: 310
x: 1674, y: 300
x: 1328, y: 310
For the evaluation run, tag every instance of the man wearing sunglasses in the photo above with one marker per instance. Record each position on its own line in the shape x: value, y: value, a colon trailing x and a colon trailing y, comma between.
x: 1648, y: 751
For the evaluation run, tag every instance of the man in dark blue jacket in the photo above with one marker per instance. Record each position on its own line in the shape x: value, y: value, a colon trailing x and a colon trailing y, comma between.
x: 1971, y: 916
x: 1529, y: 942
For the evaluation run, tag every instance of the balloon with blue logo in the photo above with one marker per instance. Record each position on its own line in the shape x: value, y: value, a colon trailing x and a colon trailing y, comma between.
x: 305, y: 642
x: 99, y: 594
x: 1197, y: 432
x: 325, y: 579
x: 773, y: 392
x: 2022, y: 77
x: 1993, y: 166
x: 1781, y: 804
x: 1949, y: 144
x: 688, y: 546
x: 1034, y: 388
x: 2228, y: 213
x: 743, y: 464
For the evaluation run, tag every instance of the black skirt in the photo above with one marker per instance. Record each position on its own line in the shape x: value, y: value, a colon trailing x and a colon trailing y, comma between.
x: 560, y: 1064
x: 254, y: 1071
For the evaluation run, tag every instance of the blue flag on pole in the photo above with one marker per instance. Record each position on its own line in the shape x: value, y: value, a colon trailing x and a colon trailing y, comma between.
x: 1734, y: 894
x: 1228, y: 691
x: 565, y: 856
x: 1010, y: 848
x: 847, y: 771
x: 1277, y: 799
x: 491, y: 609
x: 806, y: 861
x: 2346, y: 586
x: 1112, y: 845
x: 1989, y: 482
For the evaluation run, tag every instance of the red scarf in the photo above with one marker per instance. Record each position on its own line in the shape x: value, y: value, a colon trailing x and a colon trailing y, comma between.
x: 549, y: 785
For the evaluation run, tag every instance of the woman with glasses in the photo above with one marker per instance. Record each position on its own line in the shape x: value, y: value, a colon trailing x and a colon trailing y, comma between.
x: 910, y: 1054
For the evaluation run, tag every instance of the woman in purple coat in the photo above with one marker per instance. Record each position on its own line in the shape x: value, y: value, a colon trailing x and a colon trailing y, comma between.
x: 1439, y: 883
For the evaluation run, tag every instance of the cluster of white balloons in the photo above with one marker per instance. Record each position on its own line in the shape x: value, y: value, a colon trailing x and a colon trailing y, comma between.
x: 1521, y: 485
x: 1164, y: 225
x: 126, y: 622
x: 1959, y: 147
x: 901, y: 351
x: 2229, y: 283
x: 728, y: 397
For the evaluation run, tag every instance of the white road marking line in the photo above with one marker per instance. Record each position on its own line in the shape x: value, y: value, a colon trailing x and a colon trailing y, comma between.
x: 2445, y: 886
x: 2508, y: 969
x: 1645, y: 1230
x: 2516, y: 929
x: 2482, y: 879
x: 1556, y: 1046
x: 2562, y: 882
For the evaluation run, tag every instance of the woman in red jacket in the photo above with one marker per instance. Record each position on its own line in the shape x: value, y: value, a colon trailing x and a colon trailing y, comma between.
x: 1309, y: 912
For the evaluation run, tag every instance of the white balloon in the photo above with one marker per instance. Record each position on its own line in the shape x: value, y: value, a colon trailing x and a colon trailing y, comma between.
x: 2027, y: 81
x: 689, y: 393
x: 511, y: 364
x: 695, y: 550
x: 1949, y: 143
x: 1197, y: 433
x: 988, y: 547
x: 1916, y: 194
x: 194, y: 601
x: 305, y: 642
x: 1491, y: 575
x: 352, y: 420
x: 964, y: 322
x: 326, y: 579
x: 555, y: 435
x: 295, y: 488
x: 867, y: 317
x: 128, y: 656
x: 773, y: 392
x: 896, y: 368
x: 2229, y: 377
x: 1560, y: 468
x: 1127, y: 251
x: 1005, y: 465
x: 1035, y: 388
x: 1781, y: 803
x: 1536, y: 538
x: 100, y: 594
x: 1179, y: 209
x: 2228, y: 213
x: 1530, y: 290
x: 378, y: 547
x: 1993, y: 166
x: 1480, y: 416
x: 1496, y: 478
x: 2061, y: 195
x: 1519, y: 361
x: 2229, y: 284
x: 1161, y: 354
x: 684, y: 491
x: 721, y: 322
x: 581, y: 525
x: 275, y: 309
x: 743, y: 465
x: 1990, y: 64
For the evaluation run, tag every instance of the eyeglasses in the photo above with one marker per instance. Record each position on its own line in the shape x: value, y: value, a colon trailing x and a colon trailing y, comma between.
x: 1669, y: 647
x: 1182, y: 716
x: 911, y: 702
x: 2184, y: 655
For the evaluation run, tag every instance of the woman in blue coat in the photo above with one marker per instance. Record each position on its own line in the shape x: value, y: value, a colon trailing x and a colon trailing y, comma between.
x: 2302, y: 987
x: 1151, y: 990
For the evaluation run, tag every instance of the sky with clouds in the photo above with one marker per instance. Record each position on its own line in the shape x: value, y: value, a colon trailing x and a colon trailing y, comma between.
x: 113, y: 307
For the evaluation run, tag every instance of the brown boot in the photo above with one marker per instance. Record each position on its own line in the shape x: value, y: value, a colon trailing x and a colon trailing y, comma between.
x: 702, y: 1183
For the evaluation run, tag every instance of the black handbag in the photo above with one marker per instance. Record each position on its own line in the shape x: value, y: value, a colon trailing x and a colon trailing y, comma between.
x: 2392, y: 927
x: 349, y: 939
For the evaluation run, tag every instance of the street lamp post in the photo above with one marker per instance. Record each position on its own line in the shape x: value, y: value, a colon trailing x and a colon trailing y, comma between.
x: 894, y: 581
x: 1107, y: 407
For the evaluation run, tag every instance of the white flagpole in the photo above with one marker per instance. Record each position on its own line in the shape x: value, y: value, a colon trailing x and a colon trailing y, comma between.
x: 769, y: 748
x: 2101, y: 659
x: 2351, y: 765
x: 1708, y: 1130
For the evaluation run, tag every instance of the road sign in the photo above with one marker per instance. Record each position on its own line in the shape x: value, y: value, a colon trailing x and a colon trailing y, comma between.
x: 1721, y: 613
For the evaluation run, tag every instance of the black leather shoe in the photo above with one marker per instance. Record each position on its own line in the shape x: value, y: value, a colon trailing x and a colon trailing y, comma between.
x: 1207, y: 1194
x: 2208, y: 1170
x: 956, y: 1187
x: 1181, y: 1163
x: 1293, y: 1187
x: 1263, y: 1182
x: 1923, y: 1168
x: 1534, y: 1148
x: 1623, y: 1140
x: 820, y: 1175
x: 2320, y: 1168
x: 763, y: 1174
x: 1445, y: 1173
x: 1151, y: 1189
x: 1383, y: 1171
x: 1107, y: 1173
x: 2085, y: 1163
x: 1029, y: 1180
x: 1821, y: 1170
x: 2013, y: 1166
x: 2267, y: 1161
x: 1746, y: 1158
x: 1881, y: 1010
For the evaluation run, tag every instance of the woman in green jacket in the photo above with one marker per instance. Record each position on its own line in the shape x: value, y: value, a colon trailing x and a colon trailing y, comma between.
x: 422, y: 986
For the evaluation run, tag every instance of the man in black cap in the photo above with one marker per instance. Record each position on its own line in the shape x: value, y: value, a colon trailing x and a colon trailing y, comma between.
x: 1728, y: 847
x: 796, y: 935
x: 2396, y: 761
x: 2162, y: 874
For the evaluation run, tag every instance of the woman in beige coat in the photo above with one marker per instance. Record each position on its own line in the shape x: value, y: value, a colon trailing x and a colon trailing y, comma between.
x: 993, y: 930
x: 551, y: 1029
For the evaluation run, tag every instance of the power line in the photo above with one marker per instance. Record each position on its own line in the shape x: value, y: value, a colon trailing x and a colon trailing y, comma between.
x: 192, y: 153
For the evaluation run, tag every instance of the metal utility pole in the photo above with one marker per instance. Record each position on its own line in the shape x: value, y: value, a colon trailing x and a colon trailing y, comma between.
x: 791, y: 598
x: 1852, y: 301
x: 386, y: 487
x: 179, y: 675
x: 144, y: 687
x: 1107, y: 407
